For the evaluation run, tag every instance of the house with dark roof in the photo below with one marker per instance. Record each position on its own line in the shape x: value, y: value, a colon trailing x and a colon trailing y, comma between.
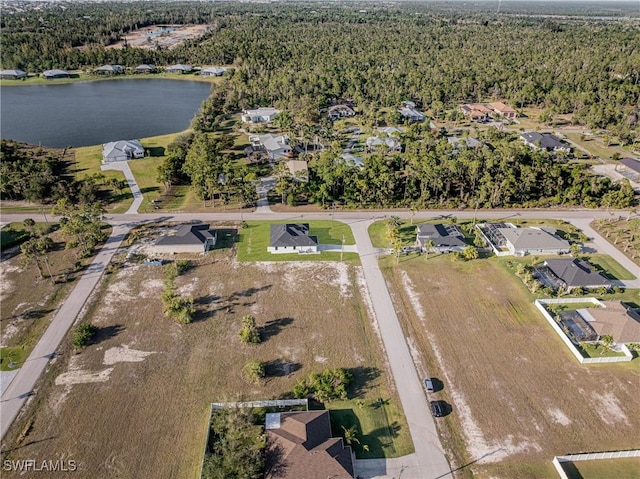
x: 571, y: 273
x: 212, y: 71
x: 55, y: 73
x: 300, y: 446
x: 145, y: 68
x: 292, y: 238
x: 110, y: 70
x: 440, y: 238
x: 615, y: 319
x: 631, y: 163
x: 190, y: 238
x: 544, y: 141
x: 12, y: 74
x: 179, y: 69
x: 525, y: 241
x: 122, y: 150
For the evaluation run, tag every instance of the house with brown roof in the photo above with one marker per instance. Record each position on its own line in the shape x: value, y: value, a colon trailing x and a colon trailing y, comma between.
x: 300, y: 446
x: 615, y: 319
x: 504, y: 110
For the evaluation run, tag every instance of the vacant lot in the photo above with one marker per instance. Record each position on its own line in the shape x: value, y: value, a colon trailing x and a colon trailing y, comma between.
x: 518, y: 396
x: 135, y: 403
x: 623, y: 234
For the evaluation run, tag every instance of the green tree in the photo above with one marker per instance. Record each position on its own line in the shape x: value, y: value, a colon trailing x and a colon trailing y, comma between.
x: 80, y: 226
x: 82, y: 335
x: 249, y: 333
x: 470, y: 252
x: 253, y: 371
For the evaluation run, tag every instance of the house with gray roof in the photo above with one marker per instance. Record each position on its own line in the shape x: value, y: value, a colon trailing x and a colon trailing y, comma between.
x: 544, y: 141
x: 340, y: 111
x: 352, y: 160
x: 292, y: 238
x: 55, y: 73
x: 410, y: 113
x: 122, y: 150
x: 440, y: 238
x: 12, y: 74
x: 190, y: 238
x: 525, y: 241
x: 376, y: 143
x: 212, y: 71
x: 468, y: 141
x: 259, y: 115
x: 571, y: 273
x: 179, y: 68
x: 145, y: 68
x: 110, y: 70
x: 274, y: 147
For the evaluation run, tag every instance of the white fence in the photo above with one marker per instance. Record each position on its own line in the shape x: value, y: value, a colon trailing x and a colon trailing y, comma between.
x: 540, y: 304
x: 557, y: 460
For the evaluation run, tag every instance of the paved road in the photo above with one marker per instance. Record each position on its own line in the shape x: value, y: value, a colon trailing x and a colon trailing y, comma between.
x: 21, y: 388
x: 429, y: 460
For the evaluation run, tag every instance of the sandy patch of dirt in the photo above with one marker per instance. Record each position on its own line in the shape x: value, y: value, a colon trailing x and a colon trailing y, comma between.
x: 151, y: 288
x: 124, y: 355
x: 414, y: 297
x: 82, y: 376
x: 7, y: 333
x: 6, y: 286
x: 320, y: 359
x: 559, y: 417
x: 609, y: 408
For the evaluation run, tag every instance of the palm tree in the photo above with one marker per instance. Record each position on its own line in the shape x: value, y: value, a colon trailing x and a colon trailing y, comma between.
x: 350, y: 435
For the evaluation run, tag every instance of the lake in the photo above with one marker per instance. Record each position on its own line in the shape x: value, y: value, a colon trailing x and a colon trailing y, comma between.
x: 91, y: 113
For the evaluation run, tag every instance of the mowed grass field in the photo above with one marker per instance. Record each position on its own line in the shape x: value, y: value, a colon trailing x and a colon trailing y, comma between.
x: 518, y: 396
x: 135, y: 403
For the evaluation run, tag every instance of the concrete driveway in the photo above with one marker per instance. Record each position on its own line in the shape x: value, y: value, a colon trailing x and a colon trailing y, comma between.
x: 131, y: 181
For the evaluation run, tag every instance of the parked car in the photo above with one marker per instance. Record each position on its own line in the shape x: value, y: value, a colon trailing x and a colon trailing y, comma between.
x: 428, y: 384
x: 436, y: 409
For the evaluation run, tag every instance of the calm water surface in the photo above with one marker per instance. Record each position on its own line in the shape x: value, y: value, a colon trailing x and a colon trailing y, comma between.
x: 91, y: 113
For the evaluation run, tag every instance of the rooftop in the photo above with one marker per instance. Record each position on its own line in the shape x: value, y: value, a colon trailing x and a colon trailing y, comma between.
x: 575, y: 272
x: 544, y: 140
x: 616, y: 320
x: 533, y: 238
x: 188, y: 235
x: 291, y: 234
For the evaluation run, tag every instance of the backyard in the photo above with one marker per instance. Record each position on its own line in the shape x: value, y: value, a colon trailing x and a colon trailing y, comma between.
x: 147, y: 380
x: 517, y: 394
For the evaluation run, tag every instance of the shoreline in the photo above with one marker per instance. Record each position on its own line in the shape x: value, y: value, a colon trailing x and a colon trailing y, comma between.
x: 85, y: 78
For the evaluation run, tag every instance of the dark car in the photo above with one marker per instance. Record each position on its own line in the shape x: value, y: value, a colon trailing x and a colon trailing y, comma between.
x: 437, y: 409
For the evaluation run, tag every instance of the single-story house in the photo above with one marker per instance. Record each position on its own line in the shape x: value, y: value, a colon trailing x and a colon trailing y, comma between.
x: 525, y: 241
x: 122, y: 150
x: 340, y: 111
x: 573, y: 273
x: 544, y: 141
x: 274, y: 146
x: 260, y: 115
x: 292, y: 238
x: 212, y: 71
x: 179, y: 69
x: 352, y: 160
x: 504, y: 110
x: 375, y: 142
x: 300, y: 445
x: 12, y: 74
x: 144, y: 68
x: 468, y: 141
x: 410, y: 113
x: 191, y: 238
x: 110, y: 70
x: 299, y: 170
x: 615, y: 319
x: 476, y: 111
x: 55, y: 73
x: 444, y: 238
x: 391, y: 130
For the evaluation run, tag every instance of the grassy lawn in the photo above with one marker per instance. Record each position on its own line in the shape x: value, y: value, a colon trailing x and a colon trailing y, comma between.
x: 609, y: 266
x: 597, y: 351
x: 12, y: 234
x: 254, y: 241
x: 378, y: 233
x: 476, y: 329
x: 12, y: 355
x: 622, y: 468
x: 595, y: 146
x: 310, y: 315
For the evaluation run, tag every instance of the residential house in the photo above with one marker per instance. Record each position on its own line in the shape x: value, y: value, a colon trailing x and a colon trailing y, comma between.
x: 300, y: 445
x: 260, y: 115
x: 340, y: 111
x: 179, y: 69
x: 525, y: 241
x: 144, y: 68
x: 468, y: 141
x: 292, y: 238
x: 110, y: 70
x: 352, y: 160
x: 375, y: 143
x: 391, y: 130
x: 410, y: 113
x: 631, y: 163
x: 615, y: 319
x: 544, y: 141
x: 122, y: 150
x: 274, y: 147
x: 504, y: 110
x: 476, y: 111
x: 55, y: 73
x: 12, y: 74
x: 298, y: 169
x: 440, y: 238
x: 571, y: 273
x: 191, y: 238
x: 212, y: 71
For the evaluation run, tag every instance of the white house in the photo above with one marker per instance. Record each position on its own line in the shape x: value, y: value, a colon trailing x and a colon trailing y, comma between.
x: 259, y: 115
x: 212, y: 71
x: 110, y: 70
x: 410, y: 113
x: 122, y: 150
x: 375, y: 142
x: 179, y: 68
x: 292, y: 238
x: 525, y: 241
x: 191, y: 238
x: 275, y: 146
x: 441, y: 238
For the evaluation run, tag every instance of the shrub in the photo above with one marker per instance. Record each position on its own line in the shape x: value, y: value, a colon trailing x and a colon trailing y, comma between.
x: 82, y: 335
x: 328, y: 385
x: 249, y: 333
x: 253, y: 371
